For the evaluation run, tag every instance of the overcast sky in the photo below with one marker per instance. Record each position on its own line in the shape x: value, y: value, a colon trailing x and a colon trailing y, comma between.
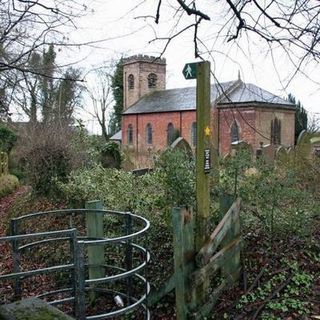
x: 126, y: 29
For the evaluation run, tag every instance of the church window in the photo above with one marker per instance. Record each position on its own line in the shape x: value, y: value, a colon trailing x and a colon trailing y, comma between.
x: 152, y: 80
x: 275, y: 131
x: 149, y: 133
x: 170, y: 134
x: 194, y: 134
x: 131, y: 81
x: 235, y: 132
x: 130, y: 134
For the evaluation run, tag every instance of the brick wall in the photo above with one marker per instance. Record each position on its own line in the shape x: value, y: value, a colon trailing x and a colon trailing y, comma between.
x: 245, y: 119
x: 254, y: 127
x: 264, y: 116
x: 140, y: 151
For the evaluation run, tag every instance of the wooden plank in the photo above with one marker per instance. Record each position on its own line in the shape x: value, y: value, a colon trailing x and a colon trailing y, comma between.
x: 94, y: 224
x: 214, y: 264
x: 231, y: 267
x: 204, y: 310
x: 218, y: 234
x: 183, y: 246
x: 165, y: 288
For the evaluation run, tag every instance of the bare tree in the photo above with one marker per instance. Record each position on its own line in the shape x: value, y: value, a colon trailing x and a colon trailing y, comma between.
x: 292, y: 26
x: 101, y: 97
x: 25, y: 27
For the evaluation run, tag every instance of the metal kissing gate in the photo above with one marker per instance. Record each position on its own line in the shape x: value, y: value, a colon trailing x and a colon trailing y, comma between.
x: 96, y: 269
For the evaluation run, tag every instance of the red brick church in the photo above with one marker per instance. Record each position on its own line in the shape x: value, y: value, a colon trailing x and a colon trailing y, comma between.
x: 154, y: 117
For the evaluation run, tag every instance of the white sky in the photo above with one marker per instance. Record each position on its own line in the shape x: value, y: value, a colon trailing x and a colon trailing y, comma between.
x: 117, y: 22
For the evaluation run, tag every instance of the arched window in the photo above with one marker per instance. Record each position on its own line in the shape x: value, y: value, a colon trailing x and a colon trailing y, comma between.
x: 235, y: 132
x: 275, y: 131
x: 149, y: 133
x: 130, y: 134
x: 152, y: 80
x: 170, y: 134
x: 131, y: 81
x: 194, y: 134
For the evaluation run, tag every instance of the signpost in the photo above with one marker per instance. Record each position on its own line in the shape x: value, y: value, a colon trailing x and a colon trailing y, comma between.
x: 201, y: 72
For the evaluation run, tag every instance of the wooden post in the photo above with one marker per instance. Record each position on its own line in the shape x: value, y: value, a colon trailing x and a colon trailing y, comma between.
x: 183, y: 246
x: 203, y: 153
x: 94, y: 224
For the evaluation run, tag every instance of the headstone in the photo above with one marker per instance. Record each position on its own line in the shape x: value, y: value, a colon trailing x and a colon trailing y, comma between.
x: 182, y: 144
x: 268, y: 153
x: 33, y: 309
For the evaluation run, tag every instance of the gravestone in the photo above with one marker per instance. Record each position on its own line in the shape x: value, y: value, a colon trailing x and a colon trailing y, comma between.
x: 31, y: 309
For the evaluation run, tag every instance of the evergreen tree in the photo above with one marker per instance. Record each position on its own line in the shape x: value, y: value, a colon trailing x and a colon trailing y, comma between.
x: 117, y: 90
x: 301, y: 117
x: 47, y: 83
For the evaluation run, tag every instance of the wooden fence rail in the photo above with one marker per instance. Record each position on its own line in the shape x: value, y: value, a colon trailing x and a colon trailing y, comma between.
x: 194, y: 271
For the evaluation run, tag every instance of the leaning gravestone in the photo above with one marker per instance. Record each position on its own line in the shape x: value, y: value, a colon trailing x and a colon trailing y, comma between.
x: 31, y: 309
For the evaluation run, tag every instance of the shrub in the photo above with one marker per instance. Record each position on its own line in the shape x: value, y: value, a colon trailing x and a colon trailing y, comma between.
x: 48, y: 154
x: 8, y: 183
x: 7, y: 139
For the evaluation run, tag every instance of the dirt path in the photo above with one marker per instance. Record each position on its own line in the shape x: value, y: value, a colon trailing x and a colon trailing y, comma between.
x: 5, y: 205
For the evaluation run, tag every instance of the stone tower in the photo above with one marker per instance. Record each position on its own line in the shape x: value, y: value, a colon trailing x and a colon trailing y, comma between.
x: 141, y: 75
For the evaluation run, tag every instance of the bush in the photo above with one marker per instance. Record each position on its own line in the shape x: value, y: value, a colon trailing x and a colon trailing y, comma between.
x: 7, y: 139
x: 275, y: 199
x: 8, y: 183
x: 48, y: 154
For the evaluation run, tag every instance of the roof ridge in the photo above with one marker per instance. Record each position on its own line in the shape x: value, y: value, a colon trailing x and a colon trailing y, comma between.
x: 225, y: 93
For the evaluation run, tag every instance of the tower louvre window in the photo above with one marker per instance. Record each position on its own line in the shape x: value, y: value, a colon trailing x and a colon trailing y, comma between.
x: 152, y: 80
x: 131, y: 81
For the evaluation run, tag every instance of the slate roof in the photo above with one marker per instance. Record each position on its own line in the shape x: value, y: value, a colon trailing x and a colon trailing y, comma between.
x: 250, y: 93
x: 117, y: 136
x: 183, y: 99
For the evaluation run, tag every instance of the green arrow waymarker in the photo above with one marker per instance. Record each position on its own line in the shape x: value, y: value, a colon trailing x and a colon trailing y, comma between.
x: 190, y: 71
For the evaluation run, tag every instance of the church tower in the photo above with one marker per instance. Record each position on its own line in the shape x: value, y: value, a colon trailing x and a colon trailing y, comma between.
x: 141, y: 75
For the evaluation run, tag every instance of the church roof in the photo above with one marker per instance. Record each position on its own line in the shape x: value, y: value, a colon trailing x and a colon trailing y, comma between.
x: 223, y: 94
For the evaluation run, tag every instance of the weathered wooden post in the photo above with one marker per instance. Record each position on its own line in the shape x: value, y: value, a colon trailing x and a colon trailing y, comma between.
x: 201, y: 72
x: 183, y: 244
x: 203, y: 154
x: 94, y: 224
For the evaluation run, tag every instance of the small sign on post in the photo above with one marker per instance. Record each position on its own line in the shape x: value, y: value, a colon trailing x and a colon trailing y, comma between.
x: 207, y: 161
x: 190, y: 71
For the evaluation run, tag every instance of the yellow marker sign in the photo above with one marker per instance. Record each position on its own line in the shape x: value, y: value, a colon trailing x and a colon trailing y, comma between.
x: 207, y: 131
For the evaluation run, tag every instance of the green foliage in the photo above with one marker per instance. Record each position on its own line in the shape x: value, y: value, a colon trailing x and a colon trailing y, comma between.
x: 274, y: 200
x: 8, y: 183
x: 176, y: 172
x: 117, y: 90
x: 301, y: 117
x: 7, y: 139
x: 291, y: 299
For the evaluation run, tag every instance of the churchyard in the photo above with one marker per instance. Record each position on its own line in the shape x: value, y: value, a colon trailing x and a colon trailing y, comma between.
x: 278, y: 209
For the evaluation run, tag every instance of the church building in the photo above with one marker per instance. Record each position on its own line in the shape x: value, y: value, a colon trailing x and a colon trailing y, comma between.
x: 153, y: 116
